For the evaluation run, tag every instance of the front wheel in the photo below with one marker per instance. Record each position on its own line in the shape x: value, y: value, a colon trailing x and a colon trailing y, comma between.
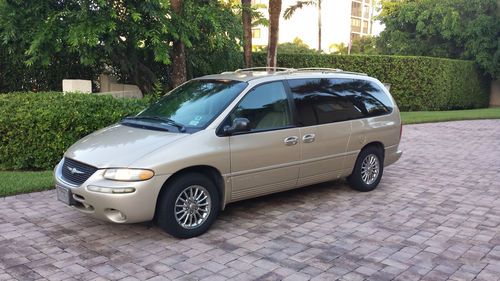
x: 189, y: 206
x: 368, y: 170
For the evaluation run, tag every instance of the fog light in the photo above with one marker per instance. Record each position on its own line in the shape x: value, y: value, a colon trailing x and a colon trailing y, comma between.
x: 114, y: 190
x: 115, y: 215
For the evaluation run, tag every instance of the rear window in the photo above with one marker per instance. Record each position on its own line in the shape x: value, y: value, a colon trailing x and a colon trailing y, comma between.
x: 322, y: 101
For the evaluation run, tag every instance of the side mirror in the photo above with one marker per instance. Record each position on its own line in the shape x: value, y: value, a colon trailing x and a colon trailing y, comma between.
x: 239, y: 125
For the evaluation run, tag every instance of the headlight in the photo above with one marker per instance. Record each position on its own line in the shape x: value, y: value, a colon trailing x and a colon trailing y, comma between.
x: 128, y: 174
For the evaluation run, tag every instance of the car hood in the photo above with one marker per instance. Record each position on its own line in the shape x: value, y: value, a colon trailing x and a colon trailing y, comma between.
x: 119, y: 145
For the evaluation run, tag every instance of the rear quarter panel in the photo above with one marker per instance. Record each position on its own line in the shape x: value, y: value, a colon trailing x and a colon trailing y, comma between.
x: 384, y: 129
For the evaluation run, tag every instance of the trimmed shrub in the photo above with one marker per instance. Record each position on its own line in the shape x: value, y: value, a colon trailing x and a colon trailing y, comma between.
x: 417, y: 83
x: 36, y: 128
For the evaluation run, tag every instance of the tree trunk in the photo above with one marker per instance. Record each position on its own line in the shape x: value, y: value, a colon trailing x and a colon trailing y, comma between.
x: 274, y: 23
x: 246, y: 12
x: 179, y: 72
x: 319, y: 26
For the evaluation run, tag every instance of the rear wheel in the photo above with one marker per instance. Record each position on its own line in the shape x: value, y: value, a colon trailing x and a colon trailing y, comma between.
x: 368, y: 170
x: 189, y: 206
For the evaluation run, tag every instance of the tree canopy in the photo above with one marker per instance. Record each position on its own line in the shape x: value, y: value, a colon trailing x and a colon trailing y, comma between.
x: 366, y: 45
x: 297, y: 46
x: 462, y: 29
x: 131, y: 38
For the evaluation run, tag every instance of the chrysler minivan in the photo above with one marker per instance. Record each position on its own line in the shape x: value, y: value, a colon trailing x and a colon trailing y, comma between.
x: 222, y: 138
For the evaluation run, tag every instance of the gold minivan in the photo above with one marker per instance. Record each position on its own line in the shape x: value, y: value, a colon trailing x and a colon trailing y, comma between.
x: 222, y: 138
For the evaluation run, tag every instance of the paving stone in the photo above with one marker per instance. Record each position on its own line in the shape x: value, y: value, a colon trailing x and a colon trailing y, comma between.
x: 435, y: 216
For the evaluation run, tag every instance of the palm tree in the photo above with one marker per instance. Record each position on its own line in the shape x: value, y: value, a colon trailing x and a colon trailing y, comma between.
x: 274, y: 25
x: 298, y: 5
x: 179, y: 70
x: 246, y: 15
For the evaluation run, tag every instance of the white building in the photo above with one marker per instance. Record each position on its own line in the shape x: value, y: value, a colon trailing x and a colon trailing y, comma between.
x: 342, y: 21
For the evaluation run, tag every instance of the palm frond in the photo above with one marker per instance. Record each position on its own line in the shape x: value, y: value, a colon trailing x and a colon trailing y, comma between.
x: 298, y: 5
x: 258, y: 17
x: 260, y: 21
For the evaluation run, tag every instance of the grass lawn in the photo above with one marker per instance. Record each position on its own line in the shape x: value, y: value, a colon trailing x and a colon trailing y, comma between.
x: 12, y: 183
x: 452, y: 115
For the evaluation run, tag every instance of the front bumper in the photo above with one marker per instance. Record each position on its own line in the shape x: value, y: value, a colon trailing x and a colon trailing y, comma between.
x: 137, y: 206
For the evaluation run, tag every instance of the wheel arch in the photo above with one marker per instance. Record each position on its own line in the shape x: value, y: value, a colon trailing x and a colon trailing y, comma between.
x: 376, y: 144
x: 354, y: 178
x: 209, y: 171
x: 379, y: 145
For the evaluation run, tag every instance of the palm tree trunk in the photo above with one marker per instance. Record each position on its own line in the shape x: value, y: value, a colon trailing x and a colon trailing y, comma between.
x: 274, y: 22
x: 246, y: 14
x: 319, y: 25
x: 179, y: 72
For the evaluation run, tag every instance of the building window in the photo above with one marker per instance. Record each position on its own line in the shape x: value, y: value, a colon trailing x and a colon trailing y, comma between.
x: 366, y: 11
x: 355, y: 25
x: 356, y: 9
x: 355, y: 36
x: 365, y: 26
x: 256, y: 33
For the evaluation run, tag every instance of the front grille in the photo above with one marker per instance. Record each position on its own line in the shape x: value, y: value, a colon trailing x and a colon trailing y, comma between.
x: 75, y: 172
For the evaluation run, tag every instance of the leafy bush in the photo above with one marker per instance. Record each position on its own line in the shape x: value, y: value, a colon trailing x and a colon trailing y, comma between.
x: 36, y: 128
x: 417, y: 83
x: 297, y: 46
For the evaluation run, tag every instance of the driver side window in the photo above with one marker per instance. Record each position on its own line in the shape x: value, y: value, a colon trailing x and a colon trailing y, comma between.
x: 266, y: 107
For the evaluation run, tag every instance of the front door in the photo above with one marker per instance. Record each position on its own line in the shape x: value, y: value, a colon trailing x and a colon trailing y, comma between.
x: 266, y: 158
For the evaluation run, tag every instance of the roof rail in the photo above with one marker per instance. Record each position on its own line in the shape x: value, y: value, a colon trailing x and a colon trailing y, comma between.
x: 291, y: 70
x: 355, y: 73
x: 324, y: 70
x: 265, y: 68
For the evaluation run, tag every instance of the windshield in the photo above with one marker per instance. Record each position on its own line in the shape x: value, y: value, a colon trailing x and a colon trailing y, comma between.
x: 191, y: 106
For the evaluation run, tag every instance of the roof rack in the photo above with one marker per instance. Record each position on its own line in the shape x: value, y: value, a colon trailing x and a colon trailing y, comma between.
x: 355, y: 73
x: 291, y: 70
x: 325, y: 70
x: 265, y: 68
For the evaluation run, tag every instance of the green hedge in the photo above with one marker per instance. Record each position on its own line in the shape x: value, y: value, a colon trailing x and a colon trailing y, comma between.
x: 36, y: 128
x: 417, y: 83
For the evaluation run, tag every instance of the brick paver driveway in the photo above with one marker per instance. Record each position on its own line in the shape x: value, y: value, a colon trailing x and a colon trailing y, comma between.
x: 435, y: 216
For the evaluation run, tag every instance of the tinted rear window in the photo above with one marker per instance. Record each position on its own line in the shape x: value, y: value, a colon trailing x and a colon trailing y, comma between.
x: 321, y: 101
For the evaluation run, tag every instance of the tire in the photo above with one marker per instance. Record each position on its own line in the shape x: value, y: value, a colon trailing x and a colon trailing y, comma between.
x: 363, y: 178
x: 190, y: 217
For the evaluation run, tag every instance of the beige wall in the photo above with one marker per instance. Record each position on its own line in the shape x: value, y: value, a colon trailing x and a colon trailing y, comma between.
x: 76, y: 85
x: 495, y: 93
x: 110, y: 87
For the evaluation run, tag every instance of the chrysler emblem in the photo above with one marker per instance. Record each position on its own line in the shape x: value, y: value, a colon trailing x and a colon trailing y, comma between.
x: 75, y: 171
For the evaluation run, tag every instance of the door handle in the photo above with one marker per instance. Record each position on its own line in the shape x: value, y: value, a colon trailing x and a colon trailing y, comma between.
x: 293, y: 140
x: 308, y: 138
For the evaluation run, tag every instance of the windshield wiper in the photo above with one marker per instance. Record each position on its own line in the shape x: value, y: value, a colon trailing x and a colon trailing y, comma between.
x: 169, y: 121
